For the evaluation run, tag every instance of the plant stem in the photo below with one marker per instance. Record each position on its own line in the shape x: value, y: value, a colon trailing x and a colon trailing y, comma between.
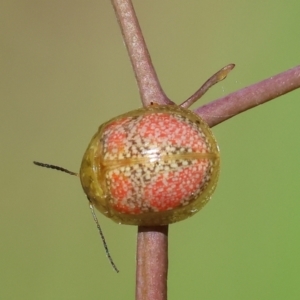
x: 235, y: 103
x: 152, y: 242
x: 145, y: 75
x: 152, y: 263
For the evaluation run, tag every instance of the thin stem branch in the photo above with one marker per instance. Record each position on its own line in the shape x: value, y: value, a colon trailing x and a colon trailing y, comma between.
x: 235, y: 103
x: 148, y: 83
x: 217, y: 77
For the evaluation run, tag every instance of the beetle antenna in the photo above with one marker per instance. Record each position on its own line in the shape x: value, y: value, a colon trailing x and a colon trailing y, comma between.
x: 217, y: 77
x: 55, y: 168
x: 102, y: 237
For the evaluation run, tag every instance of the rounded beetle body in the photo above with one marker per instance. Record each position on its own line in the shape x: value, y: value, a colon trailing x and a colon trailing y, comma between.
x: 151, y: 166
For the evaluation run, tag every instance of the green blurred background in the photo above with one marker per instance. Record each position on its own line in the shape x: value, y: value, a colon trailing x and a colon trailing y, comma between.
x: 64, y: 71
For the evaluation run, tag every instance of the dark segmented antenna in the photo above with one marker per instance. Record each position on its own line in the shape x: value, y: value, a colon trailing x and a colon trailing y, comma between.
x: 102, y: 237
x: 54, y: 167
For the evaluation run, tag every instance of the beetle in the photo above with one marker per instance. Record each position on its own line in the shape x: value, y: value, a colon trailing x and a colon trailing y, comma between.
x: 152, y: 166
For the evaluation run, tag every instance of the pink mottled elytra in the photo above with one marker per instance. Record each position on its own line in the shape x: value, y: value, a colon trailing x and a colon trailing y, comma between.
x: 151, y: 166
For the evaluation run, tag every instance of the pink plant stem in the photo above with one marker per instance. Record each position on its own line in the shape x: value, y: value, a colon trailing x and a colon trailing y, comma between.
x: 152, y: 242
x: 235, y: 103
x: 145, y: 75
x: 152, y: 263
